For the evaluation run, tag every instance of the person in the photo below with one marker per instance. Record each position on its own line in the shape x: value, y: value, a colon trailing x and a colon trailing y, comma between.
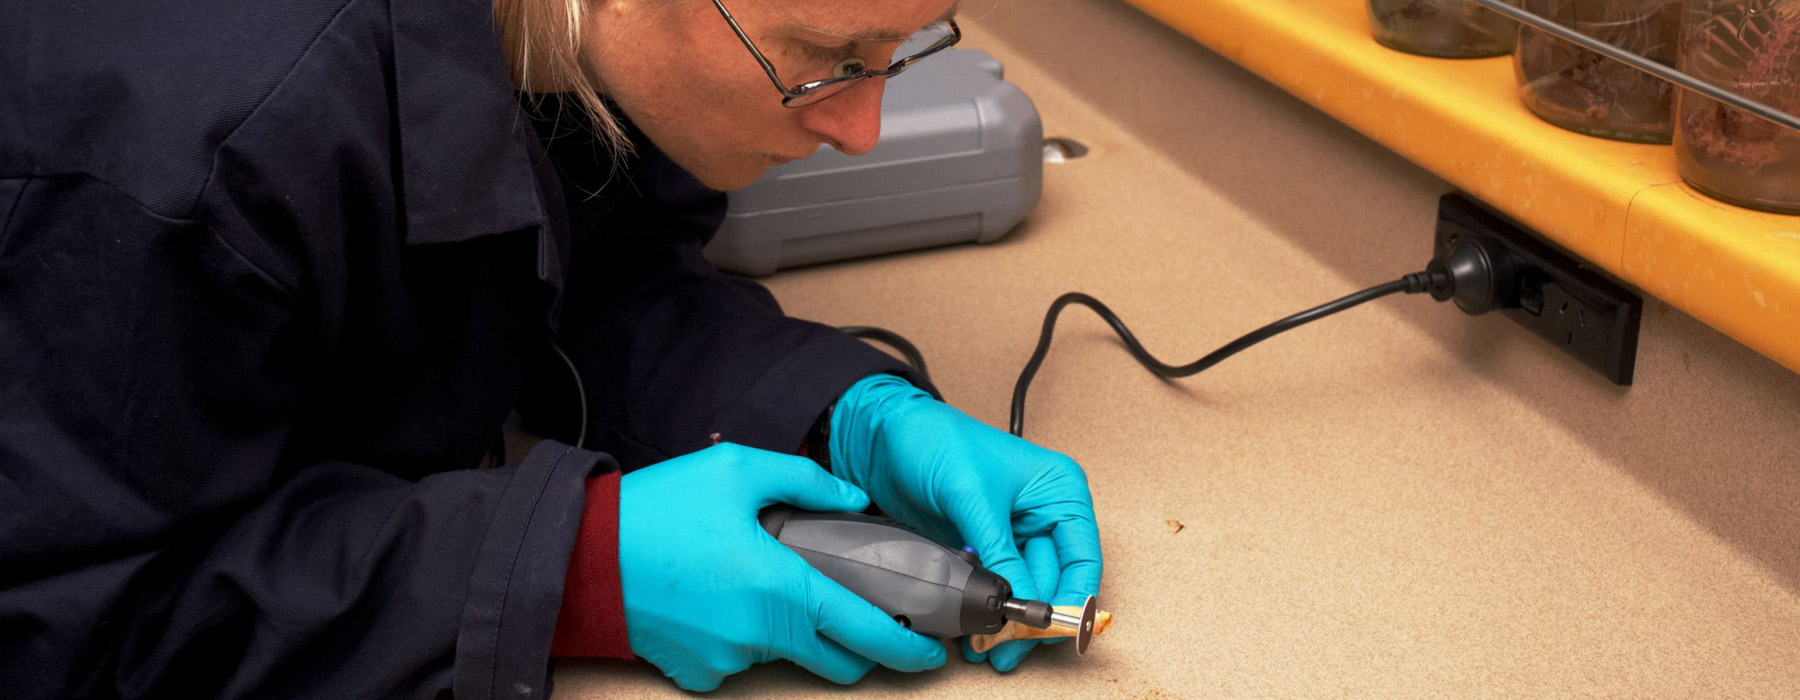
x: 274, y: 275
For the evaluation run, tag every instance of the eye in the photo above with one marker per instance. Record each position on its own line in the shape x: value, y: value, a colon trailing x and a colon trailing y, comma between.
x: 848, y: 67
x: 934, y: 30
x: 827, y: 54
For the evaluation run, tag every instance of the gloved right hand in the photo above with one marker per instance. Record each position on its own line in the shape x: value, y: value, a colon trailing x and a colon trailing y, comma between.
x: 708, y: 592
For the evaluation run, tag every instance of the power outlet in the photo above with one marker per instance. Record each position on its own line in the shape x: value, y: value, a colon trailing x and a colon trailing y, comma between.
x: 1551, y: 293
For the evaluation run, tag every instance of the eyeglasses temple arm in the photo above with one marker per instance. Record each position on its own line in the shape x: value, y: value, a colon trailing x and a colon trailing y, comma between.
x: 767, y: 67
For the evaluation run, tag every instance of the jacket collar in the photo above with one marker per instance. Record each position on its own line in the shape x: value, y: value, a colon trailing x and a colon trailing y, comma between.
x: 468, y: 157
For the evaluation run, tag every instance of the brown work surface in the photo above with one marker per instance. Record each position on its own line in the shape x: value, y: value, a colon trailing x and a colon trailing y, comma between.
x: 1398, y: 501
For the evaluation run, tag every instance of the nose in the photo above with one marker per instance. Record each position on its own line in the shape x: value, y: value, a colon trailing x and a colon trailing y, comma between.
x: 850, y: 121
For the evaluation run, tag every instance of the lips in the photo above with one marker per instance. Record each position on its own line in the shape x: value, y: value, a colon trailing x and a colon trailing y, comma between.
x: 778, y: 159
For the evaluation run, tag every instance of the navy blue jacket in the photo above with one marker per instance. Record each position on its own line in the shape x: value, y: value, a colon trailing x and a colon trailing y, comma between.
x: 272, y: 275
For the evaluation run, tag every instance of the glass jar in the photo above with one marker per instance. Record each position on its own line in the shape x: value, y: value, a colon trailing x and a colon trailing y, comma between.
x: 1583, y: 91
x: 1442, y: 28
x: 1752, y: 48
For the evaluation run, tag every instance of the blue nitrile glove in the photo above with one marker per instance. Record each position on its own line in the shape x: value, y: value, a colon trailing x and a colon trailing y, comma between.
x: 708, y: 592
x: 959, y: 480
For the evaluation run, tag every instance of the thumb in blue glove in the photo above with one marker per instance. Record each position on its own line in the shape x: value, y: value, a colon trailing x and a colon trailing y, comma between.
x: 708, y: 592
x: 1026, y: 510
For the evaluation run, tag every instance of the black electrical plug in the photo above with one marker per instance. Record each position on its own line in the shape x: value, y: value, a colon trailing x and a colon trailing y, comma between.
x: 1476, y: 273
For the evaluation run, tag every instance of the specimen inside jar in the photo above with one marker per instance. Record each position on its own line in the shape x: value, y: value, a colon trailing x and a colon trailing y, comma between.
x: 1445, y: 28
x: 1752, y: 48
x: 1579, y: 89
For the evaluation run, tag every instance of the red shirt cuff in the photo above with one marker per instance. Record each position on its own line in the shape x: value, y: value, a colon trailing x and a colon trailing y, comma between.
x: 592, y: 622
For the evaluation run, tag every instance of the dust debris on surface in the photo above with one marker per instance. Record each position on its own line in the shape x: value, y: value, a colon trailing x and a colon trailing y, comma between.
x: 1174, y: 526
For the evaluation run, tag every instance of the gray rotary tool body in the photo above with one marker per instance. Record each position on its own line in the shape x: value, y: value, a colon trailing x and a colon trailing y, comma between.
x: 928, y: 587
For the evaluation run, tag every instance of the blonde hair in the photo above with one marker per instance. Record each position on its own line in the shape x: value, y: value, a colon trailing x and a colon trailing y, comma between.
x: 542, y: 40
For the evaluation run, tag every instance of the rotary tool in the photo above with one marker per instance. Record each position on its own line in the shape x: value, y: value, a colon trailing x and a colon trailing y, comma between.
x: 927, y: 587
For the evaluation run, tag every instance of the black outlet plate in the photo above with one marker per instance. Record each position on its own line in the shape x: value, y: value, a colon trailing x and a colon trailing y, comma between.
x: 1560, y: 299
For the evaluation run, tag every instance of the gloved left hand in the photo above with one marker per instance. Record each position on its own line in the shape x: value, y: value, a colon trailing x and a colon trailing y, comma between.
x: 707, y: 592
x: 957, y: 479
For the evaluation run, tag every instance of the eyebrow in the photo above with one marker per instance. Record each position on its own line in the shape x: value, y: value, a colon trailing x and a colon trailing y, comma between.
x: 880, y: 35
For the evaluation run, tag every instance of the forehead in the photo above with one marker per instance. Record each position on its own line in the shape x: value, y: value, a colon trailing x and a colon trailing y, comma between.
x: 865, y: 20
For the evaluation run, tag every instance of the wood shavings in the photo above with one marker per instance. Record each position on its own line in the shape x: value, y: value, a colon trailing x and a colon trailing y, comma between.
x: 1174, y: 526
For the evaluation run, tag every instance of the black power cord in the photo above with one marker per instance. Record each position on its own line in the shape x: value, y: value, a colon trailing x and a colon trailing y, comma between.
x: 895, y: 341
x: 1470, y: 264
x: 580, y: 394
x: 1428, y: 281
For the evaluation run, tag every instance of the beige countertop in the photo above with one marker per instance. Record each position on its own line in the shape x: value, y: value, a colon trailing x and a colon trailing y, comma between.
x: 1398, y: 501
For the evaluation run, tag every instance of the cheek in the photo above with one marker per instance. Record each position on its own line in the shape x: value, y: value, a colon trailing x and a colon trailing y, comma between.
x: 715, y: 116
x: 738, y: 119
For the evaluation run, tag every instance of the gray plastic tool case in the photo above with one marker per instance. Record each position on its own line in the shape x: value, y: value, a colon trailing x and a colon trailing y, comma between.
x: 960, y: 159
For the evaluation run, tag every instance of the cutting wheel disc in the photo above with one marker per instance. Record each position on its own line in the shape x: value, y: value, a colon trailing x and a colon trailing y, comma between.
x: 1089, y: 610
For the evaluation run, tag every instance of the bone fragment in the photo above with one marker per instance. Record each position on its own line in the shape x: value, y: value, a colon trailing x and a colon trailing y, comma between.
x: 1013, y: 630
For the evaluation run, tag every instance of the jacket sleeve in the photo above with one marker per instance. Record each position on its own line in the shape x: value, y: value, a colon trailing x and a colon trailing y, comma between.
x: 161, y: 535
x: 674, y: 354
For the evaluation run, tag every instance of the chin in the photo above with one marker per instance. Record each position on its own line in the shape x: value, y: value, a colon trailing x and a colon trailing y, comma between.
x: 726, y: 179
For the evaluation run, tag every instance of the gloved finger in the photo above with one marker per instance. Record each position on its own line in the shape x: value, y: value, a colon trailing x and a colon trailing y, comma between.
x: 1077, y: 541
x: 698, y: 678
x: 829, y: 660
x: 687, y: 667
x: 1039, y: 554
x: 864, y: 629
x: 991, y: 535
x: 1041, y: 560
x: 1007, y: 656
x: 798, y: 481
x: 969, y: 653
x: 989, y: 531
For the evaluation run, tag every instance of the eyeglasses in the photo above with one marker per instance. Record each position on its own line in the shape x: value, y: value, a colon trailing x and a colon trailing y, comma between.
x: 846, y: 74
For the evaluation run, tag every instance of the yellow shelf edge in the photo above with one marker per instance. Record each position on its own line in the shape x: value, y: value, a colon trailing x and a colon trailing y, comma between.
x: 1620, y: 206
